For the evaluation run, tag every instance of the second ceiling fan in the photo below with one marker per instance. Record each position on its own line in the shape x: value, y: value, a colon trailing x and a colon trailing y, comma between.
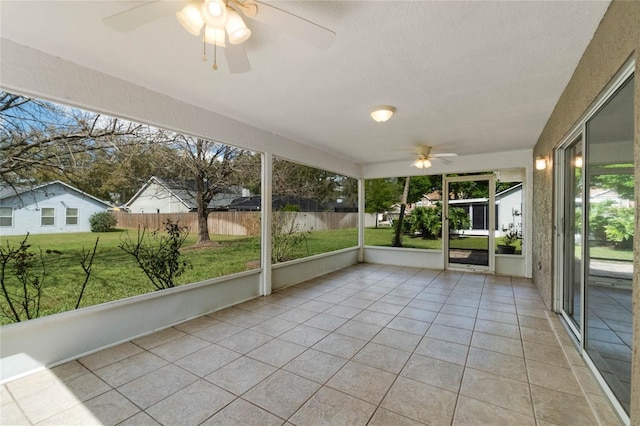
x: 220, y: 24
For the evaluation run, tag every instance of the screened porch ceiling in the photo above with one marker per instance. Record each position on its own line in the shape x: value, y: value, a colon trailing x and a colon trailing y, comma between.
x: 465, y: 77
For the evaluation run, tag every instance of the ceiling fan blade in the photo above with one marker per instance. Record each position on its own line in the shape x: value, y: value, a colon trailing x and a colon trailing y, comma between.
x: 307, y: 31
x: 445, y: 154
x: 143, y: 14
x: 444, y: 160
x: 237, y: 59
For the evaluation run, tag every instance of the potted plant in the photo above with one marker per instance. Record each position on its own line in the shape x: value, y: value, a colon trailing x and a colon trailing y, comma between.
x: 508, y: 245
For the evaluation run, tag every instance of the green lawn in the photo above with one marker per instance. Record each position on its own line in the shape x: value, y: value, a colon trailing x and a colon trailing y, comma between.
x: 116, y: 274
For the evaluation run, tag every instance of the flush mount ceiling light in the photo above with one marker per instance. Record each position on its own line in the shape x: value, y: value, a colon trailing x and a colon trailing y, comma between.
x: 382, y: 113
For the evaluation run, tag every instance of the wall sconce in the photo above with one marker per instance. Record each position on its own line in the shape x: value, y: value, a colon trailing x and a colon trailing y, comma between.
x: 578, y: 162
x: 541, y: 162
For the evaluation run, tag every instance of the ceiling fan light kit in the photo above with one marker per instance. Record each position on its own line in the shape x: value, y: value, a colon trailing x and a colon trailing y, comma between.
x: 382, y: 113
x: 190, y: 18
x: 422, y: 163
x: 236, y: 28
x: 214, y: 12
x: 216, y: 17
x: 215, y: 36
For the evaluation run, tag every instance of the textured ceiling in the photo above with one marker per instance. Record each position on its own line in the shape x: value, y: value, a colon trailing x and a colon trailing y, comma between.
x: 465, y: 77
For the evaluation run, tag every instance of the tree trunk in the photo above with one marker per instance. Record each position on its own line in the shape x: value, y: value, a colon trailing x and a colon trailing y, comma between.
x: 397, y: 242
x: 203, y: 212
x: 376, y: 220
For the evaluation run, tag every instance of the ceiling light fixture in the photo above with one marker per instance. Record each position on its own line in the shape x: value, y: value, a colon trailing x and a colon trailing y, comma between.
x: 422, y: 162
x: 382, y: 113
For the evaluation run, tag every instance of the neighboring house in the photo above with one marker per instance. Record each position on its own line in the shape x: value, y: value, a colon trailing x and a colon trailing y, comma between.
x: 49, y: 208
x: 247, y: 204
x: 164, y: 196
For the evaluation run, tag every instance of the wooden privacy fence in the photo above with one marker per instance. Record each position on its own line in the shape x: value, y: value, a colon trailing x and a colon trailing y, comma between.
x: 237, y: 223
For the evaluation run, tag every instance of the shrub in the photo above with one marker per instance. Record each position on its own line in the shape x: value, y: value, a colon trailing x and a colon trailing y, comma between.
x: 102, y: 222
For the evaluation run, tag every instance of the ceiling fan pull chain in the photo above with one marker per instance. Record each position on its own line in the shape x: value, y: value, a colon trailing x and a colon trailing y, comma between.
x: 204, y: 47
x: 215, y: 56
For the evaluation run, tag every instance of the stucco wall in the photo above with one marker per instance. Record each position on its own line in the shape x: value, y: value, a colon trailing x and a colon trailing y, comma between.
x: 615, y: 41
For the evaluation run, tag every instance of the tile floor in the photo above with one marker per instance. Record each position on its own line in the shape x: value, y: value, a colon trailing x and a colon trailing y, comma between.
x: 369, y: 344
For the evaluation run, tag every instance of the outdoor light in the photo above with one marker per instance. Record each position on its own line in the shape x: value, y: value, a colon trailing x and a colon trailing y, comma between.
x: 541, y: 162
x: 190, y: 18
x: 578, y: 162
x: 382, y: 113
x: 422, y: 163
x: 236, y: 28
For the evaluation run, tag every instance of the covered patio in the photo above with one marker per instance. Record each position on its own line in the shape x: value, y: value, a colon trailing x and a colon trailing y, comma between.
x: 365, y: 334
x: 369, y: 344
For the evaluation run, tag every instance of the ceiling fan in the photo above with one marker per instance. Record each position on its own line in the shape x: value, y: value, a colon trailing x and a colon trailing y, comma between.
x: 424, y: 157
x: 220, y: 24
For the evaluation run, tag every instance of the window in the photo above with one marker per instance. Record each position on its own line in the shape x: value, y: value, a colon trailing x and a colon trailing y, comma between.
x: 47, y: 216
x: 6, y: 216
x: 72, y: 216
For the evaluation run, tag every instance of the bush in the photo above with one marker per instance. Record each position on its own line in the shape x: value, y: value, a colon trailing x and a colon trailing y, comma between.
x: 102, y: 222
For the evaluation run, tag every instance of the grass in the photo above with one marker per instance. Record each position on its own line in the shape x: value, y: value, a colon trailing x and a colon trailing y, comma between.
x: 117, y: 276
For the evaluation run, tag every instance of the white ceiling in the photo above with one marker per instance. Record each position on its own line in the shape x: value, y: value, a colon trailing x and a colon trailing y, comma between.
x: 466, y: 77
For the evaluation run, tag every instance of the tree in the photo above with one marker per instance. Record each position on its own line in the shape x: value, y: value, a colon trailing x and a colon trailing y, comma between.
x: 381, y: 195
x: 40, y: 140
x: 397, y: 241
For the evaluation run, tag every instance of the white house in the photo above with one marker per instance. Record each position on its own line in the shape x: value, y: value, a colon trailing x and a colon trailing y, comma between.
x: 48, y: 208
x: 163, y: 196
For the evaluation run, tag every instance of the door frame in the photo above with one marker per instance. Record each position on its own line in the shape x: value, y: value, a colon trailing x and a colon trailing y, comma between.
x: 491, y: 267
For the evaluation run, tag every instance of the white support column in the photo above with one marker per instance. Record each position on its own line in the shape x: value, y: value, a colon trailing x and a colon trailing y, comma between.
x: 361, y: 220
x: 266, y: 217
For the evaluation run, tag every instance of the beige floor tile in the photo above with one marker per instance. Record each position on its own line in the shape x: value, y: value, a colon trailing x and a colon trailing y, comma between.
x: 497, y: 306
x: 282, y: 393
x: 363, y: 382
x: 5, y: 396
x: 140, y: 419
x: 471, y: 412
x: 343, y: 311
x: 396, y: 300
x: 397, y: 339
x: 304, y: 335
x: 587, y: 380
x: 604, y: 411
x: 60, y: 396
x: 561, y: 408
x: 497, y: 363
x: 207, y: 360
x: 443, y: 350
x: 192, y: 405
x: 243, y: 413
x: 532, y: 322
x: 421, y: 402
x: 240, y: 375
x: 245, y: 341
x: 359, y: 330
x: 495, y: 343
x: 325, y: 322
x: 316, y: 306
x: 217, y: 332
x: 428, y: 302
x: 159, y: 338
x: 37, y: 382
x: 356, y: 302
x: 373, y: 317
x: 383, y: 357
x: 456, y: 321
x: 277, y: 352
x: 463, y: 311
x: 385, y: 308
x: 195, y: 324
x: 435, y: 372
x: 107, y: 409
x: 384, y: 417
x: 329, y: 407
x: 121, y: 372
x: 274, y: 327
x: 409, y: 325
x: 544, y: 353
x: 157, y: 385
x: 504, y: 317
x: 295, y: 315
x: 339, y: 345
x: 450, y: 334
x: 497, y: 390
x: 418, y: 314
x: 531, y: 312
x: 538, y: 336
x: 10, y: 414
x: 315, y: 365
x: 246, y: 319
x: 552, y: 377
x: 498, y: 328
x: 110, y: 355
x: 179, y: 348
